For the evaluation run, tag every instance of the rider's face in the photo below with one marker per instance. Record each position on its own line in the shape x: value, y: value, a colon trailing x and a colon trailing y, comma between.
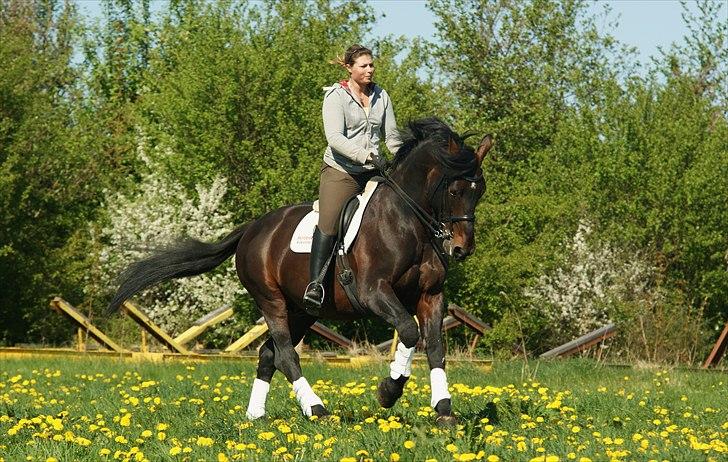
x: 362, y: 71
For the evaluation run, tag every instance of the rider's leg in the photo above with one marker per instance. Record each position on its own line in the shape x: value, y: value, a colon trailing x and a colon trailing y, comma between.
x: 335, y: 188
x: 321, y: 249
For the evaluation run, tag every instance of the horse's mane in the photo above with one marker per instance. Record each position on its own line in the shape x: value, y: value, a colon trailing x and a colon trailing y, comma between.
x: 434, y: 133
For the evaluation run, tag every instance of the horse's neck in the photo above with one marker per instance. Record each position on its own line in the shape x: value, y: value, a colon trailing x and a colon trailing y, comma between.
x: 414, y: 177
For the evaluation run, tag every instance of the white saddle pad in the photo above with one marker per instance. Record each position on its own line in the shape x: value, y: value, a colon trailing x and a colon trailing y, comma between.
x: 303, y: 235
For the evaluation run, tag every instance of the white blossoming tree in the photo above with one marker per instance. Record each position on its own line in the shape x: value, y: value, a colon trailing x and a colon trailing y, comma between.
x: 577, y: 296
x: 157, y: 213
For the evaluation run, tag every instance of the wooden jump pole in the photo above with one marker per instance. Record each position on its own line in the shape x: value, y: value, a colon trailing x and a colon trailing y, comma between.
x: 582, y: 343
x: 84, y: 326
x: 718, y: 349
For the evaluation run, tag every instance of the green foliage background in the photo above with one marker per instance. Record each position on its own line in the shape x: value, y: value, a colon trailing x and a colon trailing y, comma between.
x: 234, y: 88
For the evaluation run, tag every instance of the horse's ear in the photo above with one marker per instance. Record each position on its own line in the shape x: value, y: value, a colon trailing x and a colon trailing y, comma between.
x: 485, y: 144
x: 453, y: 147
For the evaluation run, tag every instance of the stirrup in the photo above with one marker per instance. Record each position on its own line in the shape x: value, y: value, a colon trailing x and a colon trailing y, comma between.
x: 313, y: 305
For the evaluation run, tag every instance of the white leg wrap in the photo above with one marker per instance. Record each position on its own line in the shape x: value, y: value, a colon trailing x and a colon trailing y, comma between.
x: 256, y: 405
x: 305, y: 396
x: 402, y: 364
x: 438, y: 384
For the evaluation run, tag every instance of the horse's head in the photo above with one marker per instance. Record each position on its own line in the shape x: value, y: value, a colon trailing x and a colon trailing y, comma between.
x: 447, y: 176
x: 460, y: 195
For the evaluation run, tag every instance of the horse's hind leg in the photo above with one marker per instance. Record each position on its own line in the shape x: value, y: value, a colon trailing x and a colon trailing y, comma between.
x: 286, y: 330
x: 266, y: 369
x: 261, y: 384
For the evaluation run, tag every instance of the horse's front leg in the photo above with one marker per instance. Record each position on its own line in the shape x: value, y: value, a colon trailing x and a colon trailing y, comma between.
x: 430, y: 311
x: 383, y: 302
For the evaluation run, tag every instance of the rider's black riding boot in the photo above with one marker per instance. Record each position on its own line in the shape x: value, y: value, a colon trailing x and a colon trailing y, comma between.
x: 321, y: 248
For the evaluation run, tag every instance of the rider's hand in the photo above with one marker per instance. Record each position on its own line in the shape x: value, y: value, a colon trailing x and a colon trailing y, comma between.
x: 379, y: 161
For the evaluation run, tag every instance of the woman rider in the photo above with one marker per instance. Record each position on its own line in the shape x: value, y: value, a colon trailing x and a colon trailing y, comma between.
x: 357, y: 114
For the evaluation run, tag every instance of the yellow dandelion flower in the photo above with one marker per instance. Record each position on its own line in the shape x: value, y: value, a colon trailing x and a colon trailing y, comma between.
x: 175, y: 450
x: 409, y: 444
x: 393, y: 457
x: 546, y: 458
x: 266, y: 436
x: 348, y: 459
x: 204, y: 441
x: 493, y: 458
x: 451, y: 447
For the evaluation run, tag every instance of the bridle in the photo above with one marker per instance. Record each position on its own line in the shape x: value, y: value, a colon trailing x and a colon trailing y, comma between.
x: 436, y: 225
x: 444, y: 186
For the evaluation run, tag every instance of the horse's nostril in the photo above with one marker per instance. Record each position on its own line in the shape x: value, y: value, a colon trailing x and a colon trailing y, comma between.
x: 460, y: 254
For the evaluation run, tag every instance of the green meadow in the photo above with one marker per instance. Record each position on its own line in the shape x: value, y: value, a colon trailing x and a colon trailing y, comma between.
x: 102, y: 409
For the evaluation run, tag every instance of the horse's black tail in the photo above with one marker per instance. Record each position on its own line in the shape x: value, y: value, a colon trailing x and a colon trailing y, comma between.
x: 188, y: 257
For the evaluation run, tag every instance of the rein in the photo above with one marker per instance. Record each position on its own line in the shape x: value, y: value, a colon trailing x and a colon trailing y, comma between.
x: 436, y: 227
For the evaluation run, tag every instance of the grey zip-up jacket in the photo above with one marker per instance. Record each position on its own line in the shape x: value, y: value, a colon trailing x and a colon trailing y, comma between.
x: 351, y: 134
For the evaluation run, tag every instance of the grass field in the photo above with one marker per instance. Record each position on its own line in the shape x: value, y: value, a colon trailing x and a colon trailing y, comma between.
x: 86, y: 409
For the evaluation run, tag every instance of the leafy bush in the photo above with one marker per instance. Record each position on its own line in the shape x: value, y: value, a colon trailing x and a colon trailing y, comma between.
x: 157, y: 214
x: 577, y: 296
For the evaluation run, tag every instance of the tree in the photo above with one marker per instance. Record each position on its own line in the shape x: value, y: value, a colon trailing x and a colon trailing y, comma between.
x: 44, y: 192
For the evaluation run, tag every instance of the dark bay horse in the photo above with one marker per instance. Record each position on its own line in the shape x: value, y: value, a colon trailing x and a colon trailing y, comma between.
x: 399, y: 257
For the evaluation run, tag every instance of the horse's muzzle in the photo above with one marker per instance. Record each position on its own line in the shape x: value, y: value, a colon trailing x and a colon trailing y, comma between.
x: 461, y: 254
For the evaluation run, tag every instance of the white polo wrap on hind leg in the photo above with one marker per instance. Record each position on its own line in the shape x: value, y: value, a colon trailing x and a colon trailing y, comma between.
x: 305, y: 396
x: 438, y: 384
x: 402, y: 364
x: 256, y: 405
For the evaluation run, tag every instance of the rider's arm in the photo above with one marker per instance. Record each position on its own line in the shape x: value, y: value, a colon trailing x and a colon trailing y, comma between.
x: 334, y: 126
x: 391, y: 135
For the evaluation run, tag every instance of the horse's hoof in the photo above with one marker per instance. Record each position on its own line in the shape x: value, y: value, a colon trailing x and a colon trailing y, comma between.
x: 319, y: 411
x: 390, y: 391
x: 446, y: 421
